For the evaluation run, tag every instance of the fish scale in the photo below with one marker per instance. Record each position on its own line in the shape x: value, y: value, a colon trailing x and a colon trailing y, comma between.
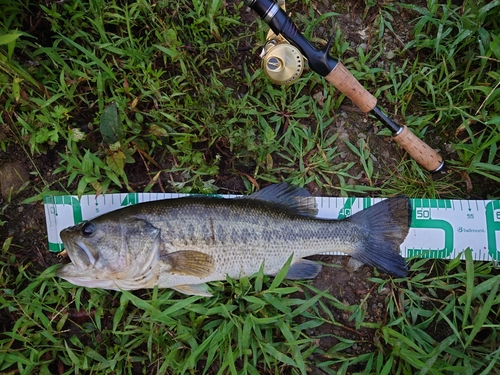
x: 184, y: 243
x: 235, y: 225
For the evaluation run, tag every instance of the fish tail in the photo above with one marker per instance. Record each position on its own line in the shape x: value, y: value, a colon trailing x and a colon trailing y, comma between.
x: 385, y: 226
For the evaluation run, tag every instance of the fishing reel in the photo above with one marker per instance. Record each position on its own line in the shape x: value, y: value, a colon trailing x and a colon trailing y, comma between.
x: 282, y: 61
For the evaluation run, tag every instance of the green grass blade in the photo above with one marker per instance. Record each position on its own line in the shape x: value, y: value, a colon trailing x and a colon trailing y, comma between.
x: 480, y: 319
x: 91, y: 56
x: 469, y: 284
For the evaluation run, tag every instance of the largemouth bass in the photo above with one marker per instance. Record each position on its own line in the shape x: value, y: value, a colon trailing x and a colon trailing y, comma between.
x: 186, y: 242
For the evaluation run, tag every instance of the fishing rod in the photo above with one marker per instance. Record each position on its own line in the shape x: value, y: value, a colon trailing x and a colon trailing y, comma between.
x: 284, y: 64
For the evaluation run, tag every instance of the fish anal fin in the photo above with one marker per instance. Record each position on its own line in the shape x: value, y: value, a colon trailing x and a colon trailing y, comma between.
x: 189, y: 263
x: 303, y: 269
x: 193, y: 289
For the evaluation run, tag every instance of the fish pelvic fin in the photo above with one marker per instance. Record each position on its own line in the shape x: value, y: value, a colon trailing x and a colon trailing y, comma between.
x: 193, y: 289
x: 386, y: 226
x: 295, y: 199
x: 189, y: 263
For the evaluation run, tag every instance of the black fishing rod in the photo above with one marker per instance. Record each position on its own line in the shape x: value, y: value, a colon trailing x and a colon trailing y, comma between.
x: 335, y: 73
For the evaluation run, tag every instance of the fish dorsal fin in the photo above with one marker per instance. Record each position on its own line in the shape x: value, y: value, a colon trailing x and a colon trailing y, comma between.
x: 189, y: 263
x: 294, y: 198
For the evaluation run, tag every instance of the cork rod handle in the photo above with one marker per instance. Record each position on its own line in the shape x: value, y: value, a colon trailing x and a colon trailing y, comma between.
x: 423, y: 154
x: 345, y: 82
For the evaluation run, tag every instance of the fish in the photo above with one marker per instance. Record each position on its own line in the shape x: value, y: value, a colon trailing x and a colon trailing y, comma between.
x: 183, y: 243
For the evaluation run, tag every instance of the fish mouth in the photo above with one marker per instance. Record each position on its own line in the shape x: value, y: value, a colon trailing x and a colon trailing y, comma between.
x: 79, y: 253
x: 71, y: 273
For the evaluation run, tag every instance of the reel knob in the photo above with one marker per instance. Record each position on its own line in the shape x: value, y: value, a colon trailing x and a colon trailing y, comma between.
x: 283, y: 63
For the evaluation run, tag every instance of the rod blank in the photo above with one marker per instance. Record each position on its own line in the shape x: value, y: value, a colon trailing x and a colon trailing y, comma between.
x: 336, y: 73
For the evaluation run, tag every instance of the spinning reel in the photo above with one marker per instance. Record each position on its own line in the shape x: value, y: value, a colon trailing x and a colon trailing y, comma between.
x: 282, y: 61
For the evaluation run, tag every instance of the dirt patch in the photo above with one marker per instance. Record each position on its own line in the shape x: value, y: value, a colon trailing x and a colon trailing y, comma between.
x: 351, y: 287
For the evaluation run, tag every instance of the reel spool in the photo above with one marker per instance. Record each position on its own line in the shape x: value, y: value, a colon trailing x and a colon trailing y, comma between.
x: 282, y: 62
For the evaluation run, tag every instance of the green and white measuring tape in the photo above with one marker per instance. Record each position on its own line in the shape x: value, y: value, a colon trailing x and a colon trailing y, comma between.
x: 441, y: 228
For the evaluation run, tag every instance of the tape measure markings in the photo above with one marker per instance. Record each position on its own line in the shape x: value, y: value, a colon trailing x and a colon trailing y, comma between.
x: 440, y: 228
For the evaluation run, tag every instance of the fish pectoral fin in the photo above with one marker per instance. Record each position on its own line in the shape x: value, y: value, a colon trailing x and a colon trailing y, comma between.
x: 190, y: 263
x: 193, y: 289
x: 303, y: 269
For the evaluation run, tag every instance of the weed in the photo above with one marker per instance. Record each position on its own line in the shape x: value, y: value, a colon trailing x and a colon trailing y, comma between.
x: 157, y: 67
x: 462, y: 41
x: 192, y: 105
x: 252, y: 325
x: 363, y: 152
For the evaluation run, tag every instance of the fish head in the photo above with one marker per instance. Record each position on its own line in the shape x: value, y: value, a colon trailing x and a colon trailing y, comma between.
x: 111, y: 252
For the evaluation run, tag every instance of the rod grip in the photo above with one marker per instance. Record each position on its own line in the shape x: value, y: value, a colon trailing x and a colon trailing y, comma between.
x: 419, y: 150
x: 344, y: 81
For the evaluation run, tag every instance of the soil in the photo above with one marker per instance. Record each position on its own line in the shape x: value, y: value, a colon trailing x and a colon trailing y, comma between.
x: 25, y: 222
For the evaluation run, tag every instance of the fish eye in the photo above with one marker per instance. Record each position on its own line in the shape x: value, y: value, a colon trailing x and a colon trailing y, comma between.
x: 88, y: 229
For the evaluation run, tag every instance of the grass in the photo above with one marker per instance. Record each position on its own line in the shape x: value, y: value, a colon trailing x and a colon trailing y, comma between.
x: 441, y: 320
x: 170, y: 96
x: 155, y: 64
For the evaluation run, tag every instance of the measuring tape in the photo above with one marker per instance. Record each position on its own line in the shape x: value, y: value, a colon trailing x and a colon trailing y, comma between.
x: 440, y: 228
